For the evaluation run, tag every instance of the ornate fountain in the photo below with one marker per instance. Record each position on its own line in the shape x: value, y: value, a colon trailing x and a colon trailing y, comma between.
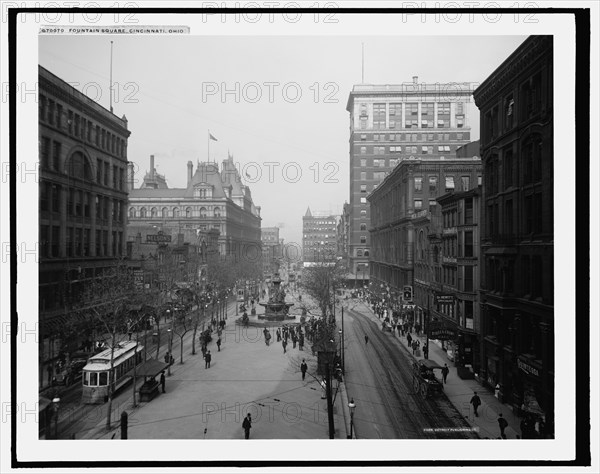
x: 276, y: 309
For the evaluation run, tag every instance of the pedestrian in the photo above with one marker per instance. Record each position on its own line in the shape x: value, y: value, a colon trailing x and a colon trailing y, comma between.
x: 414, y: 347
x: 172, y: 361
x: 162, y: 380
x: 294, y: 340
x: 167, y: 358
x: 284, y: 344
x: 247, y: 424
x: 301, y: 342
x: 303, y: 368
x: 475, y: 401
x: 445, y: 371
x: 219, y: 345
x: 207, y: 359
x: 278, y: 333
x: 409, y: 339
x: 502, y: 423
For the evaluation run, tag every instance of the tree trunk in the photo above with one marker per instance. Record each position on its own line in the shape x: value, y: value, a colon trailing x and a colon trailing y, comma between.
x: 111, y: 381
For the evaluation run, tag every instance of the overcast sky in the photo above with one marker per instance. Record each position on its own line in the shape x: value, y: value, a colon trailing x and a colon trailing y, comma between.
x: 170, y: 89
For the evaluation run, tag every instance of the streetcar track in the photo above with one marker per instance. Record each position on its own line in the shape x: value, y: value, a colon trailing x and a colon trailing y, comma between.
x: 396, y: 370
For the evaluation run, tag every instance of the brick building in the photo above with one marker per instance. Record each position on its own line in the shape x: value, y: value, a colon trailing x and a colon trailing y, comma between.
x: 82, y: 208
x: 517, y: 272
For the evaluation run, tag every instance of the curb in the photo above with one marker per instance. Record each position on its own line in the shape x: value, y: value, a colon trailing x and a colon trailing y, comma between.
x: 345, y: 409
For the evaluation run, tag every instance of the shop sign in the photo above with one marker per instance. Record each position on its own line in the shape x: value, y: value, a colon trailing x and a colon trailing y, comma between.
x: 527, y: 368
x: 443, y: 333
x: 444, y: 299
x: 138, y: 276
x: 158, y: 238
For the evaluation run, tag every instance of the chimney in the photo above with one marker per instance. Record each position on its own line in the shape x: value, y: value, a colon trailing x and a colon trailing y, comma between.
x: 190, y: 172
x: 415, y: 79
x: 151, y: 166
x: 130, y: 176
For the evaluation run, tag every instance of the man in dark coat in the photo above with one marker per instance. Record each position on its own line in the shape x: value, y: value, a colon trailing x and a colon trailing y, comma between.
x: 247, y: 424
x: 445, y: 371
x: 502, y: 423
x: 162, y: 381
x: 475, y: 401
x: 219, y: 345
x: 303, y: 368
x: 409, y: 339
x: 207, y: 359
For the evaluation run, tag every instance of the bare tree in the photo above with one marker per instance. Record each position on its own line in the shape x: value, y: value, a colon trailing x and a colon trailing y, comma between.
x: 106, y: 300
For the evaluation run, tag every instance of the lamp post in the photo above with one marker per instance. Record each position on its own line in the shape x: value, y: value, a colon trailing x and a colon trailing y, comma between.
x: 55, y: 406
x: 341, y: 331
x: 352, y: 407
x: 170, y: 335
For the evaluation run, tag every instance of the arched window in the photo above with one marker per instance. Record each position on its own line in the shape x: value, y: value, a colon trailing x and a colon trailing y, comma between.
x: 188, y: 212
x: 78, y: 167
x: 359, y: 253
x: 363, y: 227
x: 202, y: 212
x: 132, y: 212
x: 366, y: 254
x: 217, y: 211
x: 153, y: 212
x: 175, y: 212
x: 165, y: 212
x: 143, y: 212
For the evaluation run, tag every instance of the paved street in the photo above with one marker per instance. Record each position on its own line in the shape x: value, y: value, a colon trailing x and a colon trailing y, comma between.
x: 246, y: 376
x: 379, y: 378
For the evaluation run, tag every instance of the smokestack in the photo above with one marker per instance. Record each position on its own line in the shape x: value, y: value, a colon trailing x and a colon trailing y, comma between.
x: 130, y: 175
x: 151, y: 166
x: 415, y: 79
x: 190, y: 172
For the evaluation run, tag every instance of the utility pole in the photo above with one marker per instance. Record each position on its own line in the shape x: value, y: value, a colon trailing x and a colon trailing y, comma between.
x: 342, y: 343
x: 329, y: 401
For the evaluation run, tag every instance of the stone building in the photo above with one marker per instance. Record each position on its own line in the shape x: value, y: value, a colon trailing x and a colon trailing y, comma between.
x: 394, y: 122
x: 213, y: 199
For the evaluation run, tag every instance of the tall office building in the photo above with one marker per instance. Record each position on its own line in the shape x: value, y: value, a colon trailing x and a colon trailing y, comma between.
x: 393, y: 122
x: 319, y: 237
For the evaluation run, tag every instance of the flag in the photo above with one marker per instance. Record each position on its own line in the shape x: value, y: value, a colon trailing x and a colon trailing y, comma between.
x: 211, y: 137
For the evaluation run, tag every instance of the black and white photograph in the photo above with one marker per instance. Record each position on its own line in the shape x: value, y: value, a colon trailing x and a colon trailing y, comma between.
x: 276, y: 234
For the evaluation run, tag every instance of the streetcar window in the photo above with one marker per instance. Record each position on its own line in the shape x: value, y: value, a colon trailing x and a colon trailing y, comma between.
x: 93, y: 378
x: 103, y: 378
x: 86, y: 378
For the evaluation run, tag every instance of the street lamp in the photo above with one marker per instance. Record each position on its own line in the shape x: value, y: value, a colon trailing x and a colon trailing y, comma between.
x: 342, y: 345
x: 352, y: 407
x: 170, y: 334
x: 56, y: 402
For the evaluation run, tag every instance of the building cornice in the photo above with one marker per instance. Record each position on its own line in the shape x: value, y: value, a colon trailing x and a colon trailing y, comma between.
x: 533, y: 49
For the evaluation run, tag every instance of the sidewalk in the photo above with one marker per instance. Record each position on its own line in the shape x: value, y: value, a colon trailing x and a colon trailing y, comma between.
x: 246, y: 376
x: 459, y: 391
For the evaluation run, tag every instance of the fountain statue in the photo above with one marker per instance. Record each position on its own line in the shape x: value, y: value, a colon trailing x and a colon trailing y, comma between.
x: 276, y: 309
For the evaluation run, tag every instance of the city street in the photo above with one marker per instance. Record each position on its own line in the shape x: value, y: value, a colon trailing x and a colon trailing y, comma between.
x: 379, y: 378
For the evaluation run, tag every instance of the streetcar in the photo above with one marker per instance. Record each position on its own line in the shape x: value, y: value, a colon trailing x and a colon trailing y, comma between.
x: 96, y: 374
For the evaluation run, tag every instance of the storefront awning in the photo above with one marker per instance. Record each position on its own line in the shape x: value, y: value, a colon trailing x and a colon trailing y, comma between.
x: 531, y: 405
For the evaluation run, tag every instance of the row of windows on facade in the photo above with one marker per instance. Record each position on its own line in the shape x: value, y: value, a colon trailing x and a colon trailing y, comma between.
x: 78, y: 167
x: 504, y: 171
x: 414, y: 137
x: 424, y: 150
x: 78, y: 203
x: 527, y: 336
x: 465, y: 182
x: 530, y: 100
x: 78, y: 242
x: 501, y: 227
x: 523, y: 277
x: 174, y: 212
x: 52, y: 113
x: 391, y: 117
